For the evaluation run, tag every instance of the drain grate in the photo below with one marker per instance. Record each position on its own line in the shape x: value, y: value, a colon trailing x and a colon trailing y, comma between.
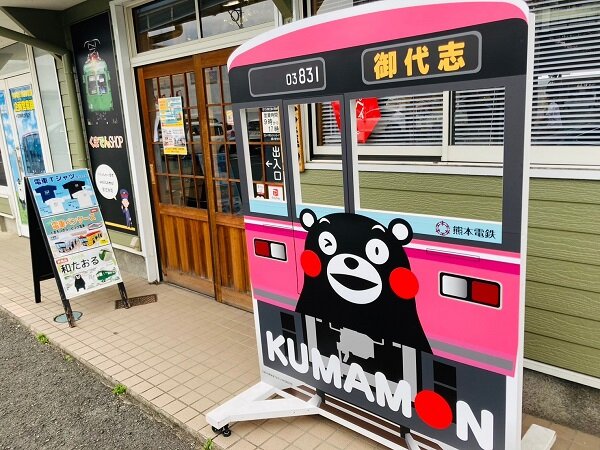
x: 137, y: 301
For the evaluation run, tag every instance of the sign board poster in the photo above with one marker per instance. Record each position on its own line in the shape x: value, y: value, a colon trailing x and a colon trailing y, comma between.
x: 74, y: 229
x: 101, y: 100
x: 170, y: 110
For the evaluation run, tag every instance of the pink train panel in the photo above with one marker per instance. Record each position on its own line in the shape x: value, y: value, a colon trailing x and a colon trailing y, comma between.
x: 457, y: 329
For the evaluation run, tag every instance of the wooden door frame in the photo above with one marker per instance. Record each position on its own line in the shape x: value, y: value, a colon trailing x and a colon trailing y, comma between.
x: 201, y: 61
x: 143, y: 73
x: 197, y: 64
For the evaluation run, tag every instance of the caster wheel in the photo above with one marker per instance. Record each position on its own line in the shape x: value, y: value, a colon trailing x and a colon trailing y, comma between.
x: 226, y: 432
x: 215, y: 429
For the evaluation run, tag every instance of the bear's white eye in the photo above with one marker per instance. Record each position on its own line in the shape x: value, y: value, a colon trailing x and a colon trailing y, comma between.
x: 327, y: 243
x: 377, y: 251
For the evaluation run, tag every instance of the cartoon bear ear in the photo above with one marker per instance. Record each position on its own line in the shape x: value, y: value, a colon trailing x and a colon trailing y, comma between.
x: 307, y: 218
x: 402, y: 230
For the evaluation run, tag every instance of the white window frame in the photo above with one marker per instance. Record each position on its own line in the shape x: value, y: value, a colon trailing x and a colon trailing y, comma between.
x: 199, y: 45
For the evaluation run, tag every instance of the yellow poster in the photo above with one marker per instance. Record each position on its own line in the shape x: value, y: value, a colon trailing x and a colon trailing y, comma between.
x: 170, y: 111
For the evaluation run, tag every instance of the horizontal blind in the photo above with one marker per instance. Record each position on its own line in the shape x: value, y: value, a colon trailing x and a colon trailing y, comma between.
x: 566, y: 91
x: 407, y: 120
x: 478, y: 117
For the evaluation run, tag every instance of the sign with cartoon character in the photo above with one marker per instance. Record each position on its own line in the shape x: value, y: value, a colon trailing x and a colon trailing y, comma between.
x: 403, y: 326
x: 74, y: 230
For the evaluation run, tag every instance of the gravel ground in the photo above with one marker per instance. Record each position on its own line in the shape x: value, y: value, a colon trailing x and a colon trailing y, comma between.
x: 50, y: 402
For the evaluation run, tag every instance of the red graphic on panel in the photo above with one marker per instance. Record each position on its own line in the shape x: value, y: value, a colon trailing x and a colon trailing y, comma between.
x: 367, y: 117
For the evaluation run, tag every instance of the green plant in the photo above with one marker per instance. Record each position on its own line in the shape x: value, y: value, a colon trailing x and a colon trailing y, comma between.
x: 68, y: 358
x: 208, y: 445
x: 42, y: 338
x: 119, y: 389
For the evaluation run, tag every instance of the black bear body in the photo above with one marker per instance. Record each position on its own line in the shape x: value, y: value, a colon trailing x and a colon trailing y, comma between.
x: 79, y: 282
x: 357, y: 280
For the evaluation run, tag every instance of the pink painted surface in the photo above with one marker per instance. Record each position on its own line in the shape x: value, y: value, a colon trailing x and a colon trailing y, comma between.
x: 469, y: 326
x: 375, y: 27
x: 272, y: 275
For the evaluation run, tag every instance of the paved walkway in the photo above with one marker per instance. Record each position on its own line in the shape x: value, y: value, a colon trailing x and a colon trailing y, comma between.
x: 182, y: 356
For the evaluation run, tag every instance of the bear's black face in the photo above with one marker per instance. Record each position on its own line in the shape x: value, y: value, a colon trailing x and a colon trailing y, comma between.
x: 356, y: 257
x: 357, y: 281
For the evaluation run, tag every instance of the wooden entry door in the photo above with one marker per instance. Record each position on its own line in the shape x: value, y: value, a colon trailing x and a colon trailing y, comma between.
x: 196, y: 196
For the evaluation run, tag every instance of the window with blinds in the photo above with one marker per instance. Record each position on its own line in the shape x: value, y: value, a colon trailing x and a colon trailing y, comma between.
x: 566, y: 97
x: 478, y: 117
x: 400, y: 122
x: 566, y: 90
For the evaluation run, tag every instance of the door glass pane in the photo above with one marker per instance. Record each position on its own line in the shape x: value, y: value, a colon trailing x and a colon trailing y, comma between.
x: 216, y: 127
x: 27, y: 130
x: 198, y: 156
x: 164, y: 84
x: 173, y: 163
x: 186, y: 163
x: 159, y: 159
x: 189, y: 193
x: 191, y: 87
x: 201, y: 193
x: 163, y: 23
x: 179, y: 88
x: 176, y: 190
x: 212, y: 83
x: 14, y: 158
x: 236, y: 197
x: 163, y: 189
x: 319, y: 190
x: 222, y: 196
x: 219, y: 152
x: 225, y: 79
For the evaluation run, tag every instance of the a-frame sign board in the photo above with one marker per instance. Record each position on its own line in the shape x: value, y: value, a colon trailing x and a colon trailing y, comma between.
x: 68, y: 239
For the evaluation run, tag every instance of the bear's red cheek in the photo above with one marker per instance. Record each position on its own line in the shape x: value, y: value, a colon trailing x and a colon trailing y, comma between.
x: 404, y: 283
x: 311, y: 264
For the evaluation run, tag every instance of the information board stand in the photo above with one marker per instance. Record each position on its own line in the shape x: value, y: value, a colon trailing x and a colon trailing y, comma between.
x: 60, y: 235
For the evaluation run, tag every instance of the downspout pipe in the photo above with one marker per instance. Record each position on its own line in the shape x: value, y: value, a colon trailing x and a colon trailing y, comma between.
x: 78, y: 154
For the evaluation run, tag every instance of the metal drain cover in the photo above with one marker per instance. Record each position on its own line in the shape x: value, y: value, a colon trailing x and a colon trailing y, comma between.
x: 137, y: 301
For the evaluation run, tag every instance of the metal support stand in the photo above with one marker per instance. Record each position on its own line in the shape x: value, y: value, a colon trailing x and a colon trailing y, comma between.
x: 123, y: 293
x: 68, y: 310
x: 258, y: 403
x: 254, y: 404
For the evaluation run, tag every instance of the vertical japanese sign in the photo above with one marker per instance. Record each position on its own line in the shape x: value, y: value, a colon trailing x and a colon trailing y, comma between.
x: 74, y: 229
x: 273, y: 155
x: 101, y: 100
x: 170, y: 110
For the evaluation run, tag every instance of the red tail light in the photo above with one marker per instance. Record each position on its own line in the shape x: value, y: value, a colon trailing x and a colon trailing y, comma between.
x: 468, y: 289
x: 269, y: 249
